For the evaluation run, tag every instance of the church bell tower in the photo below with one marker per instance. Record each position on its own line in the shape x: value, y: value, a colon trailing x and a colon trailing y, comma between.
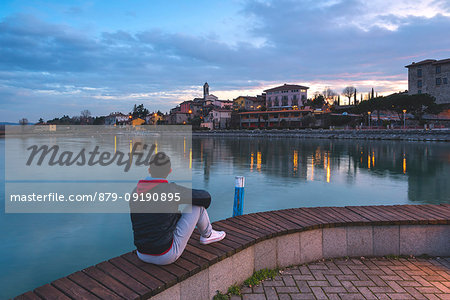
x: 205, y: 90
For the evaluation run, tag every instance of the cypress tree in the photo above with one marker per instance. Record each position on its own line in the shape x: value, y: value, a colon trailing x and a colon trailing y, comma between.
x: 372, y: 94
x: 354, y: 98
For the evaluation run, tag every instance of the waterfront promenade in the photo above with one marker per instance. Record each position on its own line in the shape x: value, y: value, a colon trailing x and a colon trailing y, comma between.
x: 274, y: 239
x: 358, y: 278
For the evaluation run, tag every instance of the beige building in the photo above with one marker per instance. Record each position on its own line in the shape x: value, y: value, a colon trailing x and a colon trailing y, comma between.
x: 431, y: 77
x: 287, y: 96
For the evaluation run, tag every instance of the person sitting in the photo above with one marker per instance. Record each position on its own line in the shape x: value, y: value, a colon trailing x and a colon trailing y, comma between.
x: 161, y: 237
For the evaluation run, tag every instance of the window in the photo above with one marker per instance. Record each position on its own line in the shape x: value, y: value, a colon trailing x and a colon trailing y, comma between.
x: 419, y: 83
x: 284, y: 92
x: 419, y: 72
x: 294, y: 91
x: 438, y: 69
x: 444, y: 80
x: 438, y: 81
x: 285, y: 100
x: 419, y: 92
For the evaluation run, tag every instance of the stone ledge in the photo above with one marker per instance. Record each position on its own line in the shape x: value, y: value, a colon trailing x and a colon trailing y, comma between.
x: 265, y: 240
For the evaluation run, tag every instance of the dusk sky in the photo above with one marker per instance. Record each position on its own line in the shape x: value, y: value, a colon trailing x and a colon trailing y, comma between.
x: 61, y: 57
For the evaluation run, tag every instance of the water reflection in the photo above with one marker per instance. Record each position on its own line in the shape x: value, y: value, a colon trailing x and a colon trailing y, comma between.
x: 422, y: 167
x: 280, y: 173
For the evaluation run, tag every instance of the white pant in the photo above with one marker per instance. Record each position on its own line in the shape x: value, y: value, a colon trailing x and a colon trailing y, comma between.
x: 185, y: 226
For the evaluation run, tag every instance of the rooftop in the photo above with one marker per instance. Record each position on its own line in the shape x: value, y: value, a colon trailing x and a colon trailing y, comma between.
x: 286, y: 87
x: 429, y: 61
x: 247, y: 97
x: 276, y: 111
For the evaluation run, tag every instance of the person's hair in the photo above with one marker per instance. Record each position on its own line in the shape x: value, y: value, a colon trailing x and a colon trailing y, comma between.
x: 160, y: 165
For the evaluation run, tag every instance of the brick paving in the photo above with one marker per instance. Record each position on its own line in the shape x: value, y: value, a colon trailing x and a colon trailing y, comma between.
x: 365, y: 278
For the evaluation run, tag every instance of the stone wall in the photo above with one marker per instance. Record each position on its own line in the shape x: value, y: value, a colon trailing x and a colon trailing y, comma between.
x: 409, y: 135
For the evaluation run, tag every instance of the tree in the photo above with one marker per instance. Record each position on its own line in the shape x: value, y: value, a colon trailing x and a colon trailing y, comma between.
x: 316, y: 94
x: 84, y: 118
x: 41, y: 121
x: 99, y: 121
x: 318, y: 102
x: 139, y: 111
x: 355, y: 102
x: 373, y: 95
x: 196, y: 122
x: 348, y: 92
x: 417, y: 105
x: 85, y: 114
x: 328, y: 93
x: 23, y: 121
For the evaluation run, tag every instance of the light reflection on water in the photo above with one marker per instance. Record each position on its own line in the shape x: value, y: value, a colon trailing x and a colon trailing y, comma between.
x: 280, y: 173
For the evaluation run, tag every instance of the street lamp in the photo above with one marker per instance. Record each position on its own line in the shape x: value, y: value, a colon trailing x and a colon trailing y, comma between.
x: 369, y: 117
x: 404, y: 118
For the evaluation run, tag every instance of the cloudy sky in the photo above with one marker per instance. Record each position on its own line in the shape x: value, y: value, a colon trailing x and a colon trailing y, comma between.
x: 60, y: 57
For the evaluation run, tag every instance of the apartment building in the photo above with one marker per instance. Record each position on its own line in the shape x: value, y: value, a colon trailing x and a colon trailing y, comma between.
x: 287, y: 96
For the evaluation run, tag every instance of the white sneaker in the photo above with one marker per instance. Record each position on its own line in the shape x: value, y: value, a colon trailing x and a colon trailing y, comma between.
x: 214, y: 237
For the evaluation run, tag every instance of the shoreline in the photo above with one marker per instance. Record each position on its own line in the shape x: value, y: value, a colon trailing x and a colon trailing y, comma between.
x: 434, y: 135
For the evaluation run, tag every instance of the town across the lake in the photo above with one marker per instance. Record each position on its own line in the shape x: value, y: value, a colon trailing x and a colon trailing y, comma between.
x: 425, y: 103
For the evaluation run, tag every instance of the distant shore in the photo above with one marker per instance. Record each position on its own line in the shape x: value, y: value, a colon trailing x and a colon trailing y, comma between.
x: 434, y: 135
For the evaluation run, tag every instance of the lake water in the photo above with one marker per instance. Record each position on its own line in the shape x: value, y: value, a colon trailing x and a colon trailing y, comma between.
x: 280, y: 173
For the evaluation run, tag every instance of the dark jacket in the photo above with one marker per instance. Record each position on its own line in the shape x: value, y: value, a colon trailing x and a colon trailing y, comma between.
x: 153, y: 232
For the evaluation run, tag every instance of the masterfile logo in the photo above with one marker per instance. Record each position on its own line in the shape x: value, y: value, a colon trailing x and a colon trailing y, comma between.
x: 76, y: 169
